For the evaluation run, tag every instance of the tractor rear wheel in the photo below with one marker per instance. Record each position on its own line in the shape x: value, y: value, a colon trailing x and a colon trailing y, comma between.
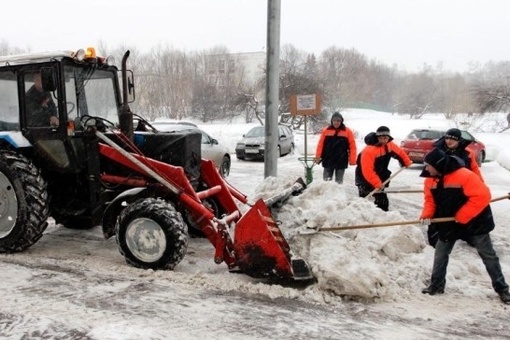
x: 151, y: 234
x: 24, y: 208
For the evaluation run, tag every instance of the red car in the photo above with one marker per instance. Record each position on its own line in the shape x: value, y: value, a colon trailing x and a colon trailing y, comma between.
x: 420, y: 141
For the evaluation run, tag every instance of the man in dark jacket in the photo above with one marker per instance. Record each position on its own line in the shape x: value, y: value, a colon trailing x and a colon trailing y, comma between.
x: 336, y: 149
x: 453, y: 144
x: 40, y: 107
x: 451, y: 190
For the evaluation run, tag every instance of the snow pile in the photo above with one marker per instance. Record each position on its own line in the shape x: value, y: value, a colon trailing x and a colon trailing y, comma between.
x: 382, y: 263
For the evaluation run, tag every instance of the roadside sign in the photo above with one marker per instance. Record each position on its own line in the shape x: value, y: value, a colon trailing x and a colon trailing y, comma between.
x: 305, y: 104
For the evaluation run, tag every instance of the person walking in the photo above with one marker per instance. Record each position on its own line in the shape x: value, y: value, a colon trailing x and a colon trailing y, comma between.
x: 451, y: 190
x: 372, y: 164
x: 336, y: 149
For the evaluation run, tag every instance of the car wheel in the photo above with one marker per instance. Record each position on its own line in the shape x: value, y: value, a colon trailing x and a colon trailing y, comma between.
x: 240, y: 155
x: 279, y: 151
x: 291, y: 151
x: 225, y: 166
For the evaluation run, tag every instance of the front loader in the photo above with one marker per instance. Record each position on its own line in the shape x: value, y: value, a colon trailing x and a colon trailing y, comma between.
x: 143, y: 186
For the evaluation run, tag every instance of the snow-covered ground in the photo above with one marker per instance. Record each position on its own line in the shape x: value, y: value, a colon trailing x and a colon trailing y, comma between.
x: 73, y: 284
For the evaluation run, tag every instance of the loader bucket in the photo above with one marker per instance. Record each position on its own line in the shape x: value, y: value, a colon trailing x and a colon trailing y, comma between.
x: 261, y: 249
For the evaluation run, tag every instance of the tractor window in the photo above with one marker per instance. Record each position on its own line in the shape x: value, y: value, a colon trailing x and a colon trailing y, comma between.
x: 71, y: 103
x: 91, y: 92
x: 101, y: 99
x: 9, y: 105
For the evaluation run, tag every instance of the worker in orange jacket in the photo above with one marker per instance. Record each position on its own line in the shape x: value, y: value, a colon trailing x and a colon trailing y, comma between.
x: 372, y: 164
x: 453, y: 144
x: 451, y: 190
x: 336, y: 149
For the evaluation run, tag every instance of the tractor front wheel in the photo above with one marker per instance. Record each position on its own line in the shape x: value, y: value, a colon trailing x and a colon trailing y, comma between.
x: 24, y: 208
x: 151, y: 234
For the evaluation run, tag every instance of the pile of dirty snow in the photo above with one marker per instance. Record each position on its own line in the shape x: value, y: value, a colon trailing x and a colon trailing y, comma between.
x: 383, y: 262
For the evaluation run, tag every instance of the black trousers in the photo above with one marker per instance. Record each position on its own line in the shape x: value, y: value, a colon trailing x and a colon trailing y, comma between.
x: 380, y: 199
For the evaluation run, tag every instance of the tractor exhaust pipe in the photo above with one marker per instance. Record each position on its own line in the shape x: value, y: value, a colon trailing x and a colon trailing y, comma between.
x: 125, y: 115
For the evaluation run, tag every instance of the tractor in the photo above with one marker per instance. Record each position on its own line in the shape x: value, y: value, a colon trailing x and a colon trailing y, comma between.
x: 80, y: 156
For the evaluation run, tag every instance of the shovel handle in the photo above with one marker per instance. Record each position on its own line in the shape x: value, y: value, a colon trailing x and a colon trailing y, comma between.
x: 386, y: 224
x: 404, y: 191
x: 500, y: 198
x: 390, y: 224
x: 384, y: 183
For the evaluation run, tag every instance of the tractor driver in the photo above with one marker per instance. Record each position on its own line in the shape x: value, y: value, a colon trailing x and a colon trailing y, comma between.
x: 40, y: 107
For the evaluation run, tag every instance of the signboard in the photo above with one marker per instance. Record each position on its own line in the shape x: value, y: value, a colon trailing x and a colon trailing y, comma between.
x: 305, y: 104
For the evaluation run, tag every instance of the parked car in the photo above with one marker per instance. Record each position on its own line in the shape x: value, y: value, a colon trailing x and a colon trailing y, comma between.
x: 420, y: 141
x: 211, y: 149
x: 251, y: 146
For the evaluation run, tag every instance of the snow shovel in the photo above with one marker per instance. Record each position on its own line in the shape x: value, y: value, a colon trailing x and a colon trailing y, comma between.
x: 374, y: 225
x: 388, y: 224
x: 376, y: 190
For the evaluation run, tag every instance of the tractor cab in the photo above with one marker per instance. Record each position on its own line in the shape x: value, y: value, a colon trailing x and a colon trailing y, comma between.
x: 49, y: 98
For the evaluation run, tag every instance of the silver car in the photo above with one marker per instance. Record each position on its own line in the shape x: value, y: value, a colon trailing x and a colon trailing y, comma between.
x: 211, y: 149
x: 252, y: 144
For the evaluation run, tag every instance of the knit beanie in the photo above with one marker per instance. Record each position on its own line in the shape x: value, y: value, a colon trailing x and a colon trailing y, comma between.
x: 382, y: 131
x: 437, y: 159
x: 454, y: 134
x: 338, y: 116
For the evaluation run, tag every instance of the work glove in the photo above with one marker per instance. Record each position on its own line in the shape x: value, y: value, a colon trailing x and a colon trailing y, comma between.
x: 425, y: 222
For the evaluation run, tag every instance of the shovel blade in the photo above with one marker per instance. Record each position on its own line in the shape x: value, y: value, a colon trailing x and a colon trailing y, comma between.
x: 261, y: 249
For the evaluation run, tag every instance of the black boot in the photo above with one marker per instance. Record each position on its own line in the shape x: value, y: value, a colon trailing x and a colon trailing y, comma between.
x: 433, y: 290
x: 505, y: 296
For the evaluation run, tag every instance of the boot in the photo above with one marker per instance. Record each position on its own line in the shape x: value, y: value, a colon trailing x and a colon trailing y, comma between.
x: 433, y: 290
x: 505, y: 296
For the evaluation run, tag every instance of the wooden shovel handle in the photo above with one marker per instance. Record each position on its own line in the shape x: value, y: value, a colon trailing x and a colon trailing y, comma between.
x: 390, y: 224
x: 385, y: 182
x: 386, y: 224
x: 500, y: 198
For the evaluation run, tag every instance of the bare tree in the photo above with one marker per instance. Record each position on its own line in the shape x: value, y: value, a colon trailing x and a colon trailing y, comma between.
x: 491, y: 88
x: 416, y: 94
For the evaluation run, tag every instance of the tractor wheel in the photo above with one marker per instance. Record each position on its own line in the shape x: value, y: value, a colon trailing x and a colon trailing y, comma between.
x: 151, y: 234
x: 24, y: 208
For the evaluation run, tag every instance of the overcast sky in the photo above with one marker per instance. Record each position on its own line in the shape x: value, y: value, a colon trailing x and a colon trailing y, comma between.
x: 406, y: 32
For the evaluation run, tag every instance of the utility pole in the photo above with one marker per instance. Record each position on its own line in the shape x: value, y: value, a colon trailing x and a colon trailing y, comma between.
x: 271, y: 153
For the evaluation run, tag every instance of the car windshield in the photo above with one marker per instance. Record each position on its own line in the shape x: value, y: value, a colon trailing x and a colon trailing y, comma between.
x: 258, y: 131
x: 425, y: 134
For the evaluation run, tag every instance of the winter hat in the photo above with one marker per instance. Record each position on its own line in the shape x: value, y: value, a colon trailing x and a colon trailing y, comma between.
x: 437, y: 159
x: 453, y: 133
x: 382, y: 131
x: 336, y: 115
